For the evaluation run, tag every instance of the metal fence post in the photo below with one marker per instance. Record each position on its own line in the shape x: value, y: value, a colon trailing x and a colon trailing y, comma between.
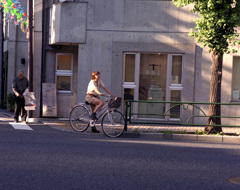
x: 126, y: 115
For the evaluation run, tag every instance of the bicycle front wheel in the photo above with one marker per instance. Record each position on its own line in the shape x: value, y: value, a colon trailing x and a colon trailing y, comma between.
x: 79, y: 118
x: 113, y: 123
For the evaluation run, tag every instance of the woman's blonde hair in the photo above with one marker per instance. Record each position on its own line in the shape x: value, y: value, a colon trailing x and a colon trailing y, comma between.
x: 95, y: 73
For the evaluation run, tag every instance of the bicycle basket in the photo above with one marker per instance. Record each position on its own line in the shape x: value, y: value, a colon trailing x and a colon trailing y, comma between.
x: 115, y: 103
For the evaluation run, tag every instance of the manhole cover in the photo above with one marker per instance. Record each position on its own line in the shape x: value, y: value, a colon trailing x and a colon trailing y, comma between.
x: 235, y: 180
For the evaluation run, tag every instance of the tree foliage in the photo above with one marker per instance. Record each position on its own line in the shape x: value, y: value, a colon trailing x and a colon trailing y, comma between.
x: 13, y: 10
x: 216, y: 24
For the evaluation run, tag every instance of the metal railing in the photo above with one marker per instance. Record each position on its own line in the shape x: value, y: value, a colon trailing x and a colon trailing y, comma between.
x: 129, y: 114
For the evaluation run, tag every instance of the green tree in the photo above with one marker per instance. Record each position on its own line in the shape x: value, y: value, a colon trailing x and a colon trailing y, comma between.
x: 13, y: 11
x: 216, y: 29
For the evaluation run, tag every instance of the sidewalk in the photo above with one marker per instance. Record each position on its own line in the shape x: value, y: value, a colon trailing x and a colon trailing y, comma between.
x: 6, y: 115
x: 151, y: 131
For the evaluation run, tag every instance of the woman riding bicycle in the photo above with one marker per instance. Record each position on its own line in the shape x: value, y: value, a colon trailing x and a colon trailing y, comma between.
x: 93, y: 93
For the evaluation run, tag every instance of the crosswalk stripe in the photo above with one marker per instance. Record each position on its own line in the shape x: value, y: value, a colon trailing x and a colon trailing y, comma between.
x: 21, y: 126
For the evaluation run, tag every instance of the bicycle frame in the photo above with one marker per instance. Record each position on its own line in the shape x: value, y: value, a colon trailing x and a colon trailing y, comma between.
x: 102, y: 110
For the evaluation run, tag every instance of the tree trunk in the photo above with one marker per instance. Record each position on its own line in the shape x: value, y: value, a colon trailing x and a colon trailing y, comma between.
x: 215, y: 93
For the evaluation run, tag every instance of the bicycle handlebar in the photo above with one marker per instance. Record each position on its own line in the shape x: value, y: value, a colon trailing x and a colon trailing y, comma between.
x: 108, y: 97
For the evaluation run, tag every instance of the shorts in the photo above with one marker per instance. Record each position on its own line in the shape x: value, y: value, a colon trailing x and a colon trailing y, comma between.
x: 90, y: 98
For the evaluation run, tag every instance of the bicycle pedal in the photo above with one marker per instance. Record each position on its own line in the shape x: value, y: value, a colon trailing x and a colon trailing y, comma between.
x: 92, y: 123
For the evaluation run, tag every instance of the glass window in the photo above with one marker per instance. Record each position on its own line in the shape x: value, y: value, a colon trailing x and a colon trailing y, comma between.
x: 152, y: 83
x: 175, y: 97
x: 236, y: 78
x: 129, y: 67
x: 64, y: 83
x: 64, y: 72
x: 153, y: 77
x: 128, y: 95
x: 64, y: 62
x: 176, y: 69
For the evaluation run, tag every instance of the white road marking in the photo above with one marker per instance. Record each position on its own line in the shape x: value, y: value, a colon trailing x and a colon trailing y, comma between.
x: 21, y: 126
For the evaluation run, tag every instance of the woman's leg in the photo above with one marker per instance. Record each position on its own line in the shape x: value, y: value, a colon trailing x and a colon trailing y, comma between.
x: 93, y: 107
x: 98, y: 104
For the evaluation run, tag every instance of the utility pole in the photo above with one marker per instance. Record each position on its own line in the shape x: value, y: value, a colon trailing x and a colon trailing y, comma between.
x: 30, y: 47
x: 1, y: 53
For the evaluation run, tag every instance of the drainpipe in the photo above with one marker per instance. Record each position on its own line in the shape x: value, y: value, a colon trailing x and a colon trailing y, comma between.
x: 1, y: 54
x: 44, y: 44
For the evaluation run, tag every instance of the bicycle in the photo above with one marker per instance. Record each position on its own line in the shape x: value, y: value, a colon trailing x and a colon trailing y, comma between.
x: 112, y: 121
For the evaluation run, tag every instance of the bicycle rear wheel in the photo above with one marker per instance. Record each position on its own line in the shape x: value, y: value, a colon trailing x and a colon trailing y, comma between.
x: 79, y: 118
x: 113, y: 124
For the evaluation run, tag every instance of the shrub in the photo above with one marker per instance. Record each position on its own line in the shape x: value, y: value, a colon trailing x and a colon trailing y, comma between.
x: 9, y: 102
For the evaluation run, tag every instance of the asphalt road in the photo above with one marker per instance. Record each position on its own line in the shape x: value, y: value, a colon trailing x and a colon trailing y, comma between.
x: 45, y: 158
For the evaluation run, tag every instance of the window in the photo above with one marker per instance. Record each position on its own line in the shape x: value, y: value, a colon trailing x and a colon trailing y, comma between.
x: 175, y: 97
x: 130, y: 68
x: 129, y: 83
x: 64, y: 72
x: 236, y: 79
x: 152, y: 84
x: 176, y: 69
x: 153, y: 77
x: 175, y: 83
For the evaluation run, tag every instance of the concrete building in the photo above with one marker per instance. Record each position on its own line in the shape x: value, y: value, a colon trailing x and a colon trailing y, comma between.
x: 141, y: 48
x: 14, y: 54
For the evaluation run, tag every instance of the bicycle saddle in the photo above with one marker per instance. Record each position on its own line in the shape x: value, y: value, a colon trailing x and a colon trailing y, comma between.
x: 87, y: 103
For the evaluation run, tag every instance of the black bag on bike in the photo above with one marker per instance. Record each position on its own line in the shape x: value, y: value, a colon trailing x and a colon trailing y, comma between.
x: 115, y: 103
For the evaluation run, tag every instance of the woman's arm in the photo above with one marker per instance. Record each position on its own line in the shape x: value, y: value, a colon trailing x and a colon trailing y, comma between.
x: 105, y: 88
x: 98, y: 92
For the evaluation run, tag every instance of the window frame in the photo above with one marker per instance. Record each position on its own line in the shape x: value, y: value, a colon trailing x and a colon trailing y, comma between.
x: 172, y: 87
x: 177, y: 86
x: 233, y: 100
x: 169, y: 87
x: 132, y: 85
x: 64, y: 73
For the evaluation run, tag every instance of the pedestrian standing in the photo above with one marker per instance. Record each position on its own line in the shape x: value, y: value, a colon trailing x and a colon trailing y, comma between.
x: 20, y: 87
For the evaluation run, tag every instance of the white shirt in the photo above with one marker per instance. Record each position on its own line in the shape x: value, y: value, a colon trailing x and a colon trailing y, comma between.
x: 92, y: 85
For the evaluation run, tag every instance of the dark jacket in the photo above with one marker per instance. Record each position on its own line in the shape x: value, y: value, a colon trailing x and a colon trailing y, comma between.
x: 19, y: 85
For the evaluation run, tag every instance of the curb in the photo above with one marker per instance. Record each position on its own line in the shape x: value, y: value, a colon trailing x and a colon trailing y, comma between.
x: 162, y: 136
x: 185, y: 137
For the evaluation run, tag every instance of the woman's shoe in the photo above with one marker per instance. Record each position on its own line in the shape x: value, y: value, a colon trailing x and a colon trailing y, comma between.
x: 93, y: 116
x: 94, y: 130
